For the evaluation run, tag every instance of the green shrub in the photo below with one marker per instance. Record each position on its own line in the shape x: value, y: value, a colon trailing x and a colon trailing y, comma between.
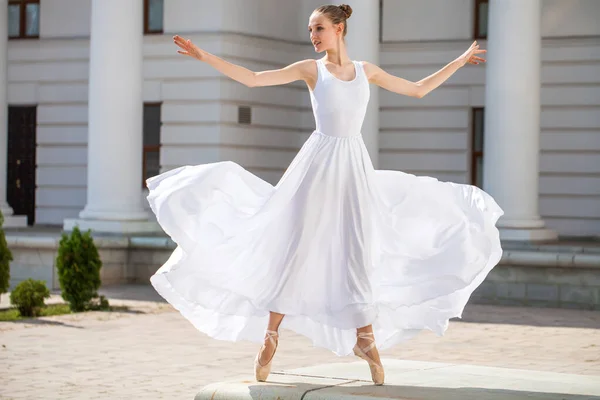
x: 99, y: 304
x: 29, y: 297
x: 78, y: 265
x: 5, y: 259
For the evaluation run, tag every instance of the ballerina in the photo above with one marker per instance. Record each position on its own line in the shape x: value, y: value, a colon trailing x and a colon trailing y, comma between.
x: 336, y: 251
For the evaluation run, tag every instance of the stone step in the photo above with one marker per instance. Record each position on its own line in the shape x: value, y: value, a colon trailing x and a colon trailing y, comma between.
x: 408, y: 380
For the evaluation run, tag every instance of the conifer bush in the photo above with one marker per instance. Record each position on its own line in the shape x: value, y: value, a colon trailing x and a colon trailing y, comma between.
x: 28, y: 297
x: 79, y: 264
x: 5, y: 259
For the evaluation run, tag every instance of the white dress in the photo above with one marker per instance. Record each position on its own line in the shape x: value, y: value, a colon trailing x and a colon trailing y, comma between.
x: 334, y: 246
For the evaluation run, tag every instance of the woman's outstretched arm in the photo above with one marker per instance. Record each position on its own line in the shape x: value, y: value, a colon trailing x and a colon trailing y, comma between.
x: 300, y: 70
x: 419, y: 89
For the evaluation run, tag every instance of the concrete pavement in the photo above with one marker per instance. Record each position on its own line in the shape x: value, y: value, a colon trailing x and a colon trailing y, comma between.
x: 153, y: 352
x: 409, y: 380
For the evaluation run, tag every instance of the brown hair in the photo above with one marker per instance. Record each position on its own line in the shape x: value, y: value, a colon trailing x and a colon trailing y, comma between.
x: 336, y: 14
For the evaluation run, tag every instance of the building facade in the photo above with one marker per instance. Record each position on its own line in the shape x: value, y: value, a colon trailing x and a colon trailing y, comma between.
x: 96, y: 99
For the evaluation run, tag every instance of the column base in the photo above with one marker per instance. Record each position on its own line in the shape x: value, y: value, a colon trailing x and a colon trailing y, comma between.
x: 15, y: 221
x: 528, y: 234
x: 116, y: 227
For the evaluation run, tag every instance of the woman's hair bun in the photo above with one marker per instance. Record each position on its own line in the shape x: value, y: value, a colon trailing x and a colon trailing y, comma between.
x: 346, y: 9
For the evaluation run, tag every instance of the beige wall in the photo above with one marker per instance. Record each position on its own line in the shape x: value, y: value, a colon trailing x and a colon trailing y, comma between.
x: 443, y: 20
x: 65, y: 18
x: 430, y: 136
x: 570, y: 18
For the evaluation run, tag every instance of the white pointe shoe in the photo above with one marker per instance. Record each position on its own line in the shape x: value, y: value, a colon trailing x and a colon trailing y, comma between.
x: 377, y: 373
x: 262, y: 371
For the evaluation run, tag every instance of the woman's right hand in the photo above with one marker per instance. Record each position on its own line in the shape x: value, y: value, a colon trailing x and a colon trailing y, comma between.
x: 188, y: 48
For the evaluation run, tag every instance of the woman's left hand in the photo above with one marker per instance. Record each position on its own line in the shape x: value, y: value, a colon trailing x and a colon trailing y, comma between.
x: 470, y: 56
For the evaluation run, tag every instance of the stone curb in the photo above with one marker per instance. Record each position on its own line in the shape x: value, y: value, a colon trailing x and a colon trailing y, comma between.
x: 407, y: 380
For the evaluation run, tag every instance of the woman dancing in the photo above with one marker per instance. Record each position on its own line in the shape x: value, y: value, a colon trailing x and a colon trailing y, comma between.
x: 336, y: 251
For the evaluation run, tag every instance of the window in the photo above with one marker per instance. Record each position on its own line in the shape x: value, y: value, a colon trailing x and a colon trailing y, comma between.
x: 477, y: 147
x: 153, y: 16
x: 244, y: 115
x: 481, y: 19
x: 23, y: 19
x: 151, y: 152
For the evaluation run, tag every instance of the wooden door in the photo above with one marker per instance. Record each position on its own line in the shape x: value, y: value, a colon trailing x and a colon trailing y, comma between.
x: 21, y: 186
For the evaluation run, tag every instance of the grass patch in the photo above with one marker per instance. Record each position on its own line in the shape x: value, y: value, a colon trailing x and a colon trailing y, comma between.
x: 12, y: 314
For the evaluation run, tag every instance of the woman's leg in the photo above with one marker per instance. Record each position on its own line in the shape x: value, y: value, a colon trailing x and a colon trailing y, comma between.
x: 274, y: 321
x: 268, y: 349
x: 364, y: 342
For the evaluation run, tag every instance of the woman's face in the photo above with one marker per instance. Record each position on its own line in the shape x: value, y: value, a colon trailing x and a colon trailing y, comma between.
x: 323, y: 34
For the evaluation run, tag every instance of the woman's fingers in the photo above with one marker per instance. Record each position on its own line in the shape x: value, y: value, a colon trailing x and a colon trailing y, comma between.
x: 476, y: 60
x: 187, y: 47
x: 184, y: 48
x: 184, y: 44
x: 470, y: 54
x: 181, y: 42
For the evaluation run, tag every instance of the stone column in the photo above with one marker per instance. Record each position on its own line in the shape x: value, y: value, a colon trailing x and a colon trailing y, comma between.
x: 10, y: 220
x: 363, y: 45
x: 115, y: 140
x: 512, y: 117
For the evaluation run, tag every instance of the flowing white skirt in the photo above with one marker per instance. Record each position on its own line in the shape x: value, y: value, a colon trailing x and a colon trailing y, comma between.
x: 335, y: 245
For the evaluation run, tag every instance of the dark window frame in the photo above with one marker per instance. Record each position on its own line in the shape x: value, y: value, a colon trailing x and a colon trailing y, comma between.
x: 476, y: 19
x: 23, y: 18
x: 149, y: 148
x: 476, y: 154
x: 147, y: 30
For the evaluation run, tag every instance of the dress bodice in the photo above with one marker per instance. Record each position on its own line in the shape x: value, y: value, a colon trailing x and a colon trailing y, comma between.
x: 339, y: 106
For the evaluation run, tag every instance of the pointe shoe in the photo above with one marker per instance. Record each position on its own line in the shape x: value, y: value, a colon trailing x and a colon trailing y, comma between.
x: 261, y: 372
x: 377, y: 373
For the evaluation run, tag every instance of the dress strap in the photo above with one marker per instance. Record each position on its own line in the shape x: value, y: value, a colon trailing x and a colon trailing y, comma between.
x: 358, y: 66
x: 320, y: 66
x: 321, y: 73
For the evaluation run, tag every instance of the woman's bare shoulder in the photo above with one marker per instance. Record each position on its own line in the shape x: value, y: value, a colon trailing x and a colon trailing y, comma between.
x: 309, y: 71
x: 370, y: 68
x: 308, y: 64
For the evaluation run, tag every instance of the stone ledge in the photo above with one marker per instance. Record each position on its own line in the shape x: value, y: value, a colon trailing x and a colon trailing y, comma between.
x: 14, y: 221
x: 22, y: 240
x: 408, y: 380
x: 152, y: 243
x: 550, y: 259
x: 51, y: 242
x: 559, y: 257
x: 586, y: 247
